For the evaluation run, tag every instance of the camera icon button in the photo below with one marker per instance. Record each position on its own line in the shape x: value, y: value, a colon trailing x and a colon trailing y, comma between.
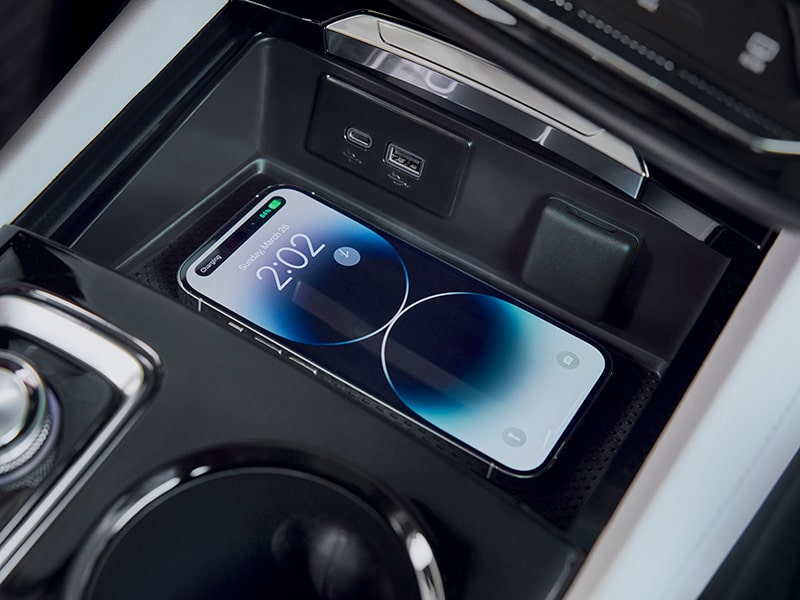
x: 514, y: 436
x: 568, y: 360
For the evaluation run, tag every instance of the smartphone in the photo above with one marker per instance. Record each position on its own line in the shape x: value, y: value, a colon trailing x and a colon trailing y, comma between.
x: 399, y: 326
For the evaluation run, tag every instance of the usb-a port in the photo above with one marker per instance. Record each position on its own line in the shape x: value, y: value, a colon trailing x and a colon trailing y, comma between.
x: 404, y: 161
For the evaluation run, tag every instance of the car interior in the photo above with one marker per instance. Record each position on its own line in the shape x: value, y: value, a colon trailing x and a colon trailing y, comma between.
x: 510, y: 194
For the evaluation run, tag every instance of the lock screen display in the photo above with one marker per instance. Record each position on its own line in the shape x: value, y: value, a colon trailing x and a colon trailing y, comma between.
x: 414, y: 333
x: 308, y: 274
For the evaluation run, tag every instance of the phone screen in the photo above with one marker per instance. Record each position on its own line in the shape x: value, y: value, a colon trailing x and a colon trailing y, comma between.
x: 413, y: 333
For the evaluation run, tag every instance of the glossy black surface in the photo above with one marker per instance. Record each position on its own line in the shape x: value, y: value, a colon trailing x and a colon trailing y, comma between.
x: 256, y: 532
x: 218, y: 390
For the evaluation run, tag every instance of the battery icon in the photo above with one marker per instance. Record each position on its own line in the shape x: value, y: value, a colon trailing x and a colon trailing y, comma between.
x: 272, y: 206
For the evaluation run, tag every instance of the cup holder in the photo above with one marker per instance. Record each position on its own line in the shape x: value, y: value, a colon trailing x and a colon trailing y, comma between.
x: 289, y: 528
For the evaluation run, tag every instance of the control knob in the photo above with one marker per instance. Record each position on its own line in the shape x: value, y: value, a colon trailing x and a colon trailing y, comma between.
x: 28, y: 419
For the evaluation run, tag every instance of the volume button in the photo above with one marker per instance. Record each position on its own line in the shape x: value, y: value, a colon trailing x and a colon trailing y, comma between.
x: 307, y: 366
x: 236, y: 326
x: 268, y: 344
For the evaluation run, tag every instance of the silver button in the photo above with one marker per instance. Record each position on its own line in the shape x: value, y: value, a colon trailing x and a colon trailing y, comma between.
x: 23, y: 412
x: 514, y: 436
x: 14, y: 406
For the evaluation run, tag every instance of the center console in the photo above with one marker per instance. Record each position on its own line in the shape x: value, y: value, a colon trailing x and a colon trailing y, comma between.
x: 218, y: 462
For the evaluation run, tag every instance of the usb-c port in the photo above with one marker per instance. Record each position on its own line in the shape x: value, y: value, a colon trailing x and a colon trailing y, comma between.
x: 359, y: 138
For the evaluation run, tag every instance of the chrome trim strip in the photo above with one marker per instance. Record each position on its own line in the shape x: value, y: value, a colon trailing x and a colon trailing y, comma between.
x: 128, y: 364
x: 489, y: 91
x: 600, y: 54
x: 420, y: 553
x: 73, y: 336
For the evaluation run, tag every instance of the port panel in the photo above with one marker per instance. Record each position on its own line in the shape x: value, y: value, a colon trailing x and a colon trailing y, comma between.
x: 389, y: 146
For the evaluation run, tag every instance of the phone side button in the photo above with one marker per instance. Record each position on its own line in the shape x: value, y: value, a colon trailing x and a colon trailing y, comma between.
x: 268, y: 344
x: 236, y: 326
x: 303, y: 364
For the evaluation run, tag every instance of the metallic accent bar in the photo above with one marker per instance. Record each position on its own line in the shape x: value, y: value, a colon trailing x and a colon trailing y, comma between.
x: 489, y: 91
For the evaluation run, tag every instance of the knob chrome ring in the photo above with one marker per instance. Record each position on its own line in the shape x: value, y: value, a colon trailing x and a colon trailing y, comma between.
x: 25, y: 421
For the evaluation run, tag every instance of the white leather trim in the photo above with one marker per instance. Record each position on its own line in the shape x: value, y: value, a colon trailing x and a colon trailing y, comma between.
x: 728, y: 442
x: 129, y: 54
